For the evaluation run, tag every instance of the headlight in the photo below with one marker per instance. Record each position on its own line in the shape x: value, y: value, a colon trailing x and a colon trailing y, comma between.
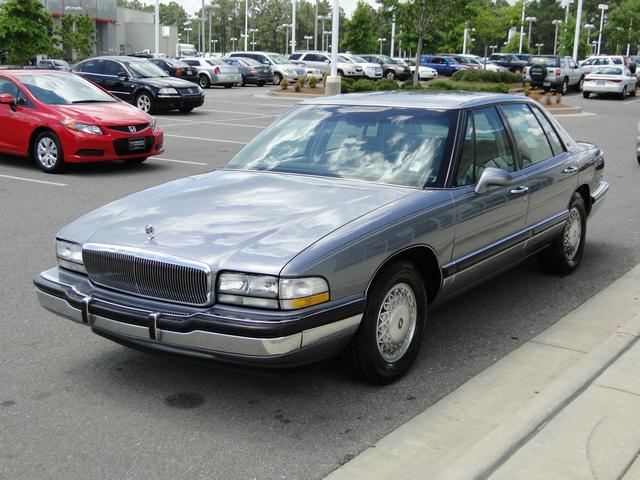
x: 154, y: 124
x: 264, y: 291
x: 167, y: 91
x: 83, y: 128
x: 69, y: 256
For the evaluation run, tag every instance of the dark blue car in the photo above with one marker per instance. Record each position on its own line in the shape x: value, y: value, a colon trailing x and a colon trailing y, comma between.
x: 442, y: 64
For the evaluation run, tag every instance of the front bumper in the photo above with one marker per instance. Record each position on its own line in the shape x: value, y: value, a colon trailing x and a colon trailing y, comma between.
x: 598, y: 196
x: 265, y: 338
x: 84, y: 148
x: 175, y: 102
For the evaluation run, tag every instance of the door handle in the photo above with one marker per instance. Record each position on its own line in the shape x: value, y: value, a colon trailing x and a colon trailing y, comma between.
x: 570, y: 170
x: 519, y: 190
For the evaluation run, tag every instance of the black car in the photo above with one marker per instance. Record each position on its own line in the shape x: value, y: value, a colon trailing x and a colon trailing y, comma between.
x: 141, y: 83
x: 509, y: 60
x: 253, y: 72
x: 176, y: 68
x: 392, y: 69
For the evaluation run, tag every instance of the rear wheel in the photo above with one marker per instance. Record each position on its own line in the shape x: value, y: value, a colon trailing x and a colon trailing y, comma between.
x: 580, y: 84
x: 244, y: 82
x: 204, y: 81
x: 564, y: 254
x: 565, y: 86
x: 586, y: 94
x: 261, y: 84
x: 623, y: 94
x: 634, y: 91
x: 390, y: 334
x: 134, y: 161
x: 47, y: 152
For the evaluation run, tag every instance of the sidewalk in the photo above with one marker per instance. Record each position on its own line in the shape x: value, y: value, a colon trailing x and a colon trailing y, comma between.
x: 565, y: 405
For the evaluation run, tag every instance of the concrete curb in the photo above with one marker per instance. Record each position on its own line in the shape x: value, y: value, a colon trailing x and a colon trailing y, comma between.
x: 292, y: 95
x: 497, y: 447
x: 565, y: 111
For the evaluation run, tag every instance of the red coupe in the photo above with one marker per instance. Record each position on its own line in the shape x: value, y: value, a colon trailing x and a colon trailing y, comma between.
x: 58, y: 118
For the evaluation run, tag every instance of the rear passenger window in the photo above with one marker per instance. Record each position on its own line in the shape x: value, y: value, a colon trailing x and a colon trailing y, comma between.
x: 531, y: 140
x: 92, y: 66
x: 552, y: 136
x: 617, y: 61
x: 486, y: 145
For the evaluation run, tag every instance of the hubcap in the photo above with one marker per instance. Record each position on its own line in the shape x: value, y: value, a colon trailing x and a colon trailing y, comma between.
x: 144, y: 103
x: 565, y: 87
x: 203, y: 81
x: 396, y: 323
x: 47, y: 152
x: 572, y: 234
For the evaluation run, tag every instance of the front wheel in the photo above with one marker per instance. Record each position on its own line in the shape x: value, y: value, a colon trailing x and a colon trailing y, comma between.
x: 228, y: 85
x: 392, y: 327
x: 580, y: 84
x: 563, y: 255
x: 47, y: 152
x: 277, y: 78
x: 186, y: 109
x: 261, y: 84
x: 390, y: 74
x: 144, y: 101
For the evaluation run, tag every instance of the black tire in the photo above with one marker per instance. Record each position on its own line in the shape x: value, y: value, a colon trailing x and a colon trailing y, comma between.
x: 244, y: 81
x: 586, y: 94
x: 186, y: 109
x: 47, y: 152
x: 145, y: 102
x: 634, y: 91
x: 277, y: 78
x: 580, y: 84
x: 228, y: 85
x: 340, y: 73
x: 556, y: 258
x: 362, y: 357
x: 564, y: 88
x: 261, y: 84
x: 204, y: 81
x: 623, y: 94
x: 134, y: 161
x: 390, y: 75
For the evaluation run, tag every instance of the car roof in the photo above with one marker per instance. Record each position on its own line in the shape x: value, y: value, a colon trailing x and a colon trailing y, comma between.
x: 118, y: 58
x: 416, y: 99
x: 20, y: 72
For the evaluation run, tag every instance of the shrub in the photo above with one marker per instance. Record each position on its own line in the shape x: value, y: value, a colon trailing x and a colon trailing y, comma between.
x: 417, y: 86
x: 297, y: 86
x: 527, y: 89
x: 406, y: 84
x: 547, y: 98
x: 312, y: 82
x: 486, y: 76
x: 364, y: 86
x: 284, y: 84
x: 468, y: 86
x: 346, y: 85
x: 386, y: 84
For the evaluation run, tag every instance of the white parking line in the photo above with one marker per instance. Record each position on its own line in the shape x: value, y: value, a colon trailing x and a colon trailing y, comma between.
x: 211, y: 123
x: 179, y: 161
x: 206, y: 139
x: 45, y: 182
x: 238, y: 113
x: 628, y: 102
x: 278, y: 105
x: 174, y: 119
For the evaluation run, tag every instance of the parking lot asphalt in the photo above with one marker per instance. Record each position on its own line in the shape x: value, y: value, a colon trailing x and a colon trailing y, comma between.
x: 75, y: 406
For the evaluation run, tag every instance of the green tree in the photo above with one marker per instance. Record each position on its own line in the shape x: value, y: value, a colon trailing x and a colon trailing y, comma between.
x: 623, y: 28
x: 491, y: 23
x: 77, y: 36
x: 25, y: 30
x: 136, y: 5
x: 359, y: 32
x: 566, y: 37
x: 172, y: 13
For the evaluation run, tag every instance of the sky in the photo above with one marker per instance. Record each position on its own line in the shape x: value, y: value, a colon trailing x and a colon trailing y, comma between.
x: 192, y: 6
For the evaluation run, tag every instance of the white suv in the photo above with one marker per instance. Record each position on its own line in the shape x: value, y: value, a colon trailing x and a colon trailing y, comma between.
x: 372, y: 71
x: 596, y: 61
x: 322, y: 61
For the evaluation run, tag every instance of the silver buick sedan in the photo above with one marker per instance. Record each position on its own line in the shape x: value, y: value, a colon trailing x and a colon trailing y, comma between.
x: 333, y: 231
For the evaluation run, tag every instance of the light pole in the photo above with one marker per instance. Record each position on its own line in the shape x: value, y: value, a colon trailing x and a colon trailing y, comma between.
x: 531, y: 20
x: 326, y: 33
x: 156, y: 28
x: 393, y: 35
x: 333, y: 83
x: 202, y: 38
x: 214, y: 41
x: 381, y: 41
x: 603, y: 7
x: 576, y: 37
x: 293, y: 25
x: 323, y: 18
x: 315, y: 27
x: 307, y: 38
x: 188, y: 29
x: 557, y: 23
x: 493, y: 48
x: 567, y: 4
x: 465, y: 35
x: 589, y: 27
x: 233, y: 43
x: 253, y: 32
x: 286, y: 27
x: 524, y: 3
x: 539, y: 46
x: 246, y: 23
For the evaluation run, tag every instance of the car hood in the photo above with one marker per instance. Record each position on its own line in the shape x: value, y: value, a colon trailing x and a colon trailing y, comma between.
x: 234, y: 220
x: 162, y: 82
x: 117, y: 113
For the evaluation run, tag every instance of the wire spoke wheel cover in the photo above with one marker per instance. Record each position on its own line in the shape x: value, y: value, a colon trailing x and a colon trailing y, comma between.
x: 572, y: 234
x: 396, y: 322
x: 47, y: 152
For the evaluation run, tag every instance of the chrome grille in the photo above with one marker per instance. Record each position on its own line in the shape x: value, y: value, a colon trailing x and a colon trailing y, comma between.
x: 149, y: 274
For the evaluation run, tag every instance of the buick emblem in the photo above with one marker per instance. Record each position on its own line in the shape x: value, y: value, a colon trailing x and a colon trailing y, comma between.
x: 149, y: 232
x: 132, y: 128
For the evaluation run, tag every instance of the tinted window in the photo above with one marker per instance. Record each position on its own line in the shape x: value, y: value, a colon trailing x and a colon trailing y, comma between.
x: 530, y: 139
x: 617, y: 61
x: 466, y: 174
x: 546, y: 61
x: 193, y: 63
x: 295, y: 56
x: 403, y: 146
x: 607, y: 71
x: 91, y: 66
x: 552, y: 136
x: 112, y: 68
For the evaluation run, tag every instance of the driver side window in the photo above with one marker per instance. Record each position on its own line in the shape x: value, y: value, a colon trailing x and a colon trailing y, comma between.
x: 485, y: 145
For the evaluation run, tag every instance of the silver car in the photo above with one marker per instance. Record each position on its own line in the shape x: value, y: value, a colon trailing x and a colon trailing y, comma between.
x: 214, y: 71
x: 283, y: 68
x: 335, y: 230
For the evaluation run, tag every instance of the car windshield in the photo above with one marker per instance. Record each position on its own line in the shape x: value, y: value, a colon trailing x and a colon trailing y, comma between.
x: 177, y: 64
x: 144, y: 69
x: 279, y: 59
x: 388, y: 60
x: 64, y: 89
x: 546, y: 61
x: 250, y: 61
x: 607, y: 71
x: 342, y: 58
x: 401, y: 146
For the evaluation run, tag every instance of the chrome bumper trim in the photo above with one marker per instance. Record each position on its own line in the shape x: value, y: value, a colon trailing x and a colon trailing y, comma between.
x: 209, y: 341
x: 598, y: 196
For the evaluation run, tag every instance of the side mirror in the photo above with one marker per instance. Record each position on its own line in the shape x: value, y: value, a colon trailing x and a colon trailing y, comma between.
x: 123, y: 77
x: 633, y: 68
x: 493, y: 177
x: 7, y: 99
x: 327, y: 61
